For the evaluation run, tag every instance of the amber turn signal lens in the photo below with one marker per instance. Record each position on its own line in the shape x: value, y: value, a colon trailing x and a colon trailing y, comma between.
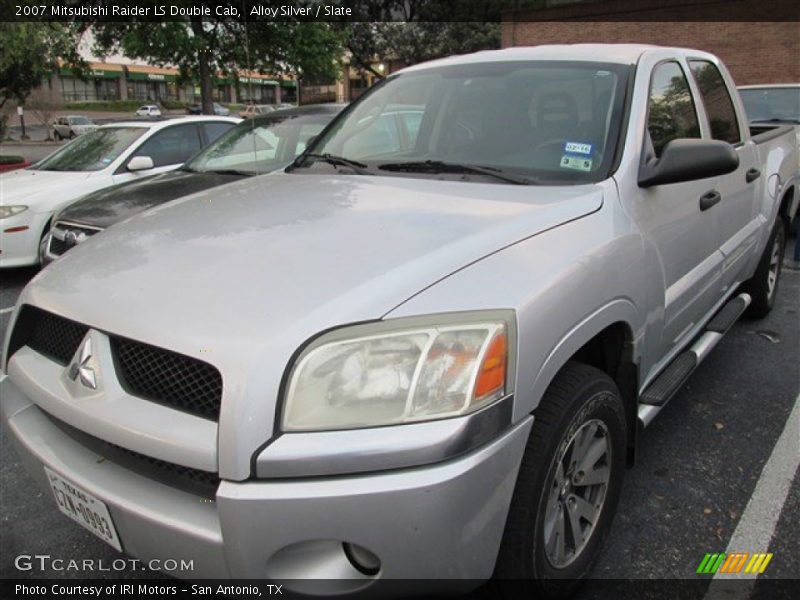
x: 492, y: 374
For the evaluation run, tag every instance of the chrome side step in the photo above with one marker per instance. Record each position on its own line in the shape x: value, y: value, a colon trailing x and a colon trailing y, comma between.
x: 670, y: 380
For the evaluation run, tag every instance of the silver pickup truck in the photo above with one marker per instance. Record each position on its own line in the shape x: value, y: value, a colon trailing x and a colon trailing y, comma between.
x: 427, y: 349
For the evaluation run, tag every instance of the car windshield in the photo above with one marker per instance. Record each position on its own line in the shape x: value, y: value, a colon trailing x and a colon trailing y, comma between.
x: 772, y: 104
x: 93, y: 151
x: 529, y: 122
x: 260, y: 146
x: 80, y: 121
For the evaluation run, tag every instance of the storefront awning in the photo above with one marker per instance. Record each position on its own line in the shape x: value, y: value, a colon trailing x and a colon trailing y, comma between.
x: 137, y: 73
x: 257, y: 81
x: 133, y: 75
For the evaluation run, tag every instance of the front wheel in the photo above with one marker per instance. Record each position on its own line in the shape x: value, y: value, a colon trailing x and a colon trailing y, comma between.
x: 568, y: 484
x: 763, y: 286
x: 57, y: 136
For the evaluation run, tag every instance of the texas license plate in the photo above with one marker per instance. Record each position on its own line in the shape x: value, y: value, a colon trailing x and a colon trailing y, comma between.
x: 84, y: 508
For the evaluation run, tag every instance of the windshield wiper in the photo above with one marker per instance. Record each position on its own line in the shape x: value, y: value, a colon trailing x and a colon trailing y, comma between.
x: 229, y: 172
x: 339, y: 161
x: 438, y: 166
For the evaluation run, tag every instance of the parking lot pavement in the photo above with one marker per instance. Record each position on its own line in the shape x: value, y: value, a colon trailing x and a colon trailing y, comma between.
x: 696, y: 469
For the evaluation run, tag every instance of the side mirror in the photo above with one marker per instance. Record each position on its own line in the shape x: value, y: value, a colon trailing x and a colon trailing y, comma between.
x: 140, y: 163
x: 688, y: 160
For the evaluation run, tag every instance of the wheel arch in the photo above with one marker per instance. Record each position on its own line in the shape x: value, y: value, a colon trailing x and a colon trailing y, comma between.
x: 606, y: 340
x: 788, y: 205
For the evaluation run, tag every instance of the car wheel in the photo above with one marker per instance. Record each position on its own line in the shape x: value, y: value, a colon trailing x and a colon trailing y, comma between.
x: 57, y: 136
x: 71, y: 135
x: 763, y: 286
x: 568, y: 484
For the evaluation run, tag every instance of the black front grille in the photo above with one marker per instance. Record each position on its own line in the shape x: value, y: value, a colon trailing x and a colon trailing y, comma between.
x: 55, y: 337
x: 168, y: 378
x: 76, y: 235
x: 158, y: 375
x: 57, y: 247
x: 201, y: 483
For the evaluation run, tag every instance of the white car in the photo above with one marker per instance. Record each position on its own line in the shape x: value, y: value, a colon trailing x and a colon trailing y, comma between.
x: 148, y: 110
x: 109, y: 155
x: 70, y: 126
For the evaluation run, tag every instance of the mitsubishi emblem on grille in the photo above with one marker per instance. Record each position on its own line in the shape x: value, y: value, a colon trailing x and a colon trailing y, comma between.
x: 80, y: 365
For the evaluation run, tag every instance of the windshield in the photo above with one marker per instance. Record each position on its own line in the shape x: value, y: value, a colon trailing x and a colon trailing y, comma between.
x: 80, y: 121
x: 260, y: 146
x: 547, y: 121
x: 93, y: 151
x: 772, y: 104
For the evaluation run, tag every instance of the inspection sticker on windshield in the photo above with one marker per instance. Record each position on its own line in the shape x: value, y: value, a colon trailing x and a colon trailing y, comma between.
x: 580, y: 163
x: 578, y: 148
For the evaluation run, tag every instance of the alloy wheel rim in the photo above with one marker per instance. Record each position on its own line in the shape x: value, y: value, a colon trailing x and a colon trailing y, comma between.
x: 577, y: 492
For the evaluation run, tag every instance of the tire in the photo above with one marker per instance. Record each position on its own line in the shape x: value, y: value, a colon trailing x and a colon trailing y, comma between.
x: 71, y: 135
x: 57, y: 136
x: 581, y: 401
x: 763, y: 285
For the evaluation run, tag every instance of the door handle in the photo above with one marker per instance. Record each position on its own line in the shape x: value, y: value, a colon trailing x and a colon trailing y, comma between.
x: 752, y: 175
x: 709, y: 199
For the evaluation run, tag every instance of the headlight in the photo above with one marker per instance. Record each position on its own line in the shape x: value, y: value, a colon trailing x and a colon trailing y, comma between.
x: 10, y: 211
x: 385, y: 374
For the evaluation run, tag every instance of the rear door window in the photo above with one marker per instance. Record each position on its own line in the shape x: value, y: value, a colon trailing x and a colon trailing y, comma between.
x: 717, y: 100
x: 671, y: 112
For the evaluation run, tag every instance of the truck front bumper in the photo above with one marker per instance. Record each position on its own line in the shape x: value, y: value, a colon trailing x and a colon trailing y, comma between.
x: 441, y: 521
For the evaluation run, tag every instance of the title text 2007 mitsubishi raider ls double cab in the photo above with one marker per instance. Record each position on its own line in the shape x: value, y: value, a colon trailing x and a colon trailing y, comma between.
x: 426, y: 349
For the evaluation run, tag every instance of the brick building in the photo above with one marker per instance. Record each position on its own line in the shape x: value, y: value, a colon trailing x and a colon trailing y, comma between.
x: 758, y: 41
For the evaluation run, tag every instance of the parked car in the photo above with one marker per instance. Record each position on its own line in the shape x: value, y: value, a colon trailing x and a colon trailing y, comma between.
x: 109, y: 155
x: 409, y: 361
x: 254, y: 110
x: 148, y: 110
x: 70, y: 126
x: 219, y: 110
x: 263, y: 145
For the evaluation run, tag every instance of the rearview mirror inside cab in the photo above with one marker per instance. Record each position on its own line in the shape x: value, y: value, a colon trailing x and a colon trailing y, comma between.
x: 688, y: 160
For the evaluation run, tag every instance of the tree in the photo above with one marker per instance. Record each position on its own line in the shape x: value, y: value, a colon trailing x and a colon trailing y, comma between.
x: 31, y: 51
x: 414, y: 31
x: 44, y: 102
x: 201, y: 47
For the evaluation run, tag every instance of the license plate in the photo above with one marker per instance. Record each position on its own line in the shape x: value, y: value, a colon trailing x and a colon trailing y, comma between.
x: 81, y: 506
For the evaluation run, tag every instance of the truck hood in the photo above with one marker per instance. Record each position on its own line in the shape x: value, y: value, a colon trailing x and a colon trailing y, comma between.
x: 242, y: 275
x: 108, y: 206
x: 290, y: 255
x: 36, y: 189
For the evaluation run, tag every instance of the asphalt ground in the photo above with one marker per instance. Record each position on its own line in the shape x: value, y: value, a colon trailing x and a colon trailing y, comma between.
x: 696, y: 469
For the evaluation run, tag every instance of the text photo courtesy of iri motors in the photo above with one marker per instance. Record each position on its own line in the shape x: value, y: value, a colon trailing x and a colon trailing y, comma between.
x: 390, y: 299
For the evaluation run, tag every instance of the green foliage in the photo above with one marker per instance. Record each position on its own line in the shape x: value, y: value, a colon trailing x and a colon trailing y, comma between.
x: 202, y: 48
x: 30, y: 52
x: 414, y: 31
x: 173, y: 104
